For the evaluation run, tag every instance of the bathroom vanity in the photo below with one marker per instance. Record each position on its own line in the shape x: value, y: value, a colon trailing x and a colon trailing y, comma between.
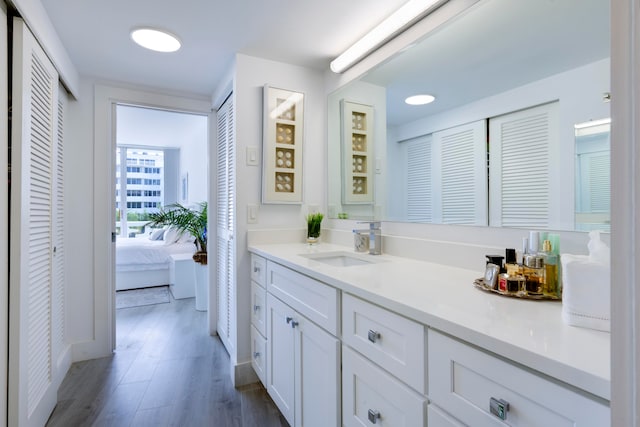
x: 341, y: 338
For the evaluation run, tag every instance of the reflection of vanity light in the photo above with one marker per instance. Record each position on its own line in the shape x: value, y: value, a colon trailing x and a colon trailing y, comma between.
x: 401, y: 19
x: 420, y: 99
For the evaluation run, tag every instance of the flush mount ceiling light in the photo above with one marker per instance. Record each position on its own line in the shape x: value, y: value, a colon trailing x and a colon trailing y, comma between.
x: 153, y: 39
x: 420, y: 99
x: 402, y: 18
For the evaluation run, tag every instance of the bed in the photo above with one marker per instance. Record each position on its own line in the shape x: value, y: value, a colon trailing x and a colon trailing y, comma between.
x: 142, y: 263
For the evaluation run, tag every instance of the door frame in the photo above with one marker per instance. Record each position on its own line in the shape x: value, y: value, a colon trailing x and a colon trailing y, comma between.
x: 105, y: 99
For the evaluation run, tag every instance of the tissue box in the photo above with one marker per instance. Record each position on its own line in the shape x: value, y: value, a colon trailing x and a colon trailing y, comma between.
x: 586, y: 294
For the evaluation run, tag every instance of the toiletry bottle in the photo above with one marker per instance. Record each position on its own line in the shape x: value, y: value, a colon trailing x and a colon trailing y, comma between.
x: 550, y: 286
x: 533, y: 271
x: 511, y: 263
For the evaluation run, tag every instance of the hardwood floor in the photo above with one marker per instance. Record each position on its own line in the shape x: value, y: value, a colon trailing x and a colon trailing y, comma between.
x: 166, y: 371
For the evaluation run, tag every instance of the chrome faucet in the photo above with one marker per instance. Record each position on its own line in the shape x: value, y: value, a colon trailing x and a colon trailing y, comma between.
x: 375, y: 236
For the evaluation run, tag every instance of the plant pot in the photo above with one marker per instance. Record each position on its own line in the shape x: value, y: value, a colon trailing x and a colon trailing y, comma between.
x: 202, y: 287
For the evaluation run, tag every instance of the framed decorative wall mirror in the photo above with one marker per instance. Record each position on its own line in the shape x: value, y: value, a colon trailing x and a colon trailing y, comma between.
x: 498, y: 146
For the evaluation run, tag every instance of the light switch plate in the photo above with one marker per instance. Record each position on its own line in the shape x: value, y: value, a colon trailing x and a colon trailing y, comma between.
x: 252, y: 214
x: 252, y: 156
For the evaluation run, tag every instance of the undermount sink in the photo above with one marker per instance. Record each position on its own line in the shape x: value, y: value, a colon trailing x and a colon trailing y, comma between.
x: 339, y: 259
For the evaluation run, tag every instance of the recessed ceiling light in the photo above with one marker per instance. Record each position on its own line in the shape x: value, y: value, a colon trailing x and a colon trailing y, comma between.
x: 420, y: 99
x: 160, y: 41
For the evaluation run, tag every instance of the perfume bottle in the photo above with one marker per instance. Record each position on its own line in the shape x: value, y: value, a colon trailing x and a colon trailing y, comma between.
x: 511, y: 264
x: 550, y: 286
x: 533, y: 272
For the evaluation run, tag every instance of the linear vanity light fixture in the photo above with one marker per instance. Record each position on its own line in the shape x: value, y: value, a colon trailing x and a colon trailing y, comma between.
x: 401, y: 19
x: 154, y: 39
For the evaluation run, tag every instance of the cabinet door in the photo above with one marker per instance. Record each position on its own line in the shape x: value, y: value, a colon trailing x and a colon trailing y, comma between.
x: 281, y: 356
x: 317, y: 376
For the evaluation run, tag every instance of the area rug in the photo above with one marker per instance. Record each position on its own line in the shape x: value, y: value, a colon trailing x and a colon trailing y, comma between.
x: 140, y: 297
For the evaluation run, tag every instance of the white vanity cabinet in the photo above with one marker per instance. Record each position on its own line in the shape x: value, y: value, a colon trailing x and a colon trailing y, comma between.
x: 259, y: 316
x: 480, y: 389
x: 303, y: 353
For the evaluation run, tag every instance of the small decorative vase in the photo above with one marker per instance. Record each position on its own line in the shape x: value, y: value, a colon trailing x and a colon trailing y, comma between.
x: 312, y: 240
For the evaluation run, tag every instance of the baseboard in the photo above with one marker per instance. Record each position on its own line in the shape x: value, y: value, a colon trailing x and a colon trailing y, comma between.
x: 243, y: 374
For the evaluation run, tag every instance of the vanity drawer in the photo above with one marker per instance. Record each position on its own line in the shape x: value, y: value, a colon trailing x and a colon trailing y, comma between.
x: 313, y: 299
x: 259, y: 355
x: 259, y: 308
x: 372, y: 396
x: 388, y: 339
x: 463, y: 380
x: 259, y: 270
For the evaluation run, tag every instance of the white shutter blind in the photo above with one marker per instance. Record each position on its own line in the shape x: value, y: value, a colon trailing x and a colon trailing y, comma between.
x: 58, y: 230
x: 32, y: 394
x: 461, y: 177
x: 520, y: 144
x: 599, y: 182
x: 40, y: 234
x: 225, y: 261
x: 418, y: 186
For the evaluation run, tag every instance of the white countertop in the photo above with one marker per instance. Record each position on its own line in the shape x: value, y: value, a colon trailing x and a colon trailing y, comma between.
x: 530, y: 333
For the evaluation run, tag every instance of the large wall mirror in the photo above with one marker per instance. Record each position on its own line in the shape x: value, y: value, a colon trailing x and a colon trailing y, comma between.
x: 514, y: 83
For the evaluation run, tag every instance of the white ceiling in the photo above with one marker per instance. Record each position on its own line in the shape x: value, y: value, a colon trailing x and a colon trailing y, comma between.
x: 301, y: 32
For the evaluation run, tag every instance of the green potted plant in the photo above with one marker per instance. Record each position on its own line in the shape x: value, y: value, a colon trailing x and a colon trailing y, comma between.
x: 186, y: 220
x: 313, y: 227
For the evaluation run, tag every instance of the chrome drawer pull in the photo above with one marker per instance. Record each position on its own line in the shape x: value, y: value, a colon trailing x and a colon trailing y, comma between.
x: 499, y: 408
x: 373, y: 416
x: 256, y: 269
x: 256, y: 354
x: 289, y: 319
x: 294, y: 324
x: 373, y: 335
x: 256, y: 308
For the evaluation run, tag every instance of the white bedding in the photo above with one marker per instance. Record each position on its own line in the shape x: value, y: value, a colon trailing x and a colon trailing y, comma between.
x: 144, y: 254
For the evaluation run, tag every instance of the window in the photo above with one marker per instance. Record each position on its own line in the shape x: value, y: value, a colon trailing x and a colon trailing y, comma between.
x: 140, y: 194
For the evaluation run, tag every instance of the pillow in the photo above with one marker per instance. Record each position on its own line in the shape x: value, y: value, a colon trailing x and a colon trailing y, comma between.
x: 156, y: 234
x: 171, y: 235
x: 186, y: 237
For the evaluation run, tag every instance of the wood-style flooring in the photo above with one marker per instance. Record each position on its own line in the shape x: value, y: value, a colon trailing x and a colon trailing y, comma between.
x: 166, y: 371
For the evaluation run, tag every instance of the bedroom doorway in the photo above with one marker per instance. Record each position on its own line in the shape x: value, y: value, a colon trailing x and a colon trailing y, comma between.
x: 160, y: 160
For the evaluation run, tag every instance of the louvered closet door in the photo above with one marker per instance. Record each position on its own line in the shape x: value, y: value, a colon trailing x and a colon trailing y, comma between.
x: 32, y: 393
x: 460, y: 175
x: 225, y: 222
x: 519, y: 155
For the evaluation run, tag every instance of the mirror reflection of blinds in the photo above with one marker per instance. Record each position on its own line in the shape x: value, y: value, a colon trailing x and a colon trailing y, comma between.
x: 520, y: 147
x: 419, y: 180
x: 458, y: 177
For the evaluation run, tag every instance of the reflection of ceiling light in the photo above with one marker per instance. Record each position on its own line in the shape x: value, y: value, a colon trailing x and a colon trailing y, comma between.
x: 157, y: 40
x: 402, y: 18
x: 420, y: 99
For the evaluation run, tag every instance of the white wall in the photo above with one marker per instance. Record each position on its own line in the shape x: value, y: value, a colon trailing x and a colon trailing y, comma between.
x: 579, y: 94
x: 251, y: 75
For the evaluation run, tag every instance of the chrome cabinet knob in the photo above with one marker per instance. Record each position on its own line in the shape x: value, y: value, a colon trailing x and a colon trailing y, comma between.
x: 289, y: 319
x: 256, y: 354
x: 256, y: 308
x: 499, y: 408
x: 256, y: 269
x: 373, y: 335
x: 373, y: 416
